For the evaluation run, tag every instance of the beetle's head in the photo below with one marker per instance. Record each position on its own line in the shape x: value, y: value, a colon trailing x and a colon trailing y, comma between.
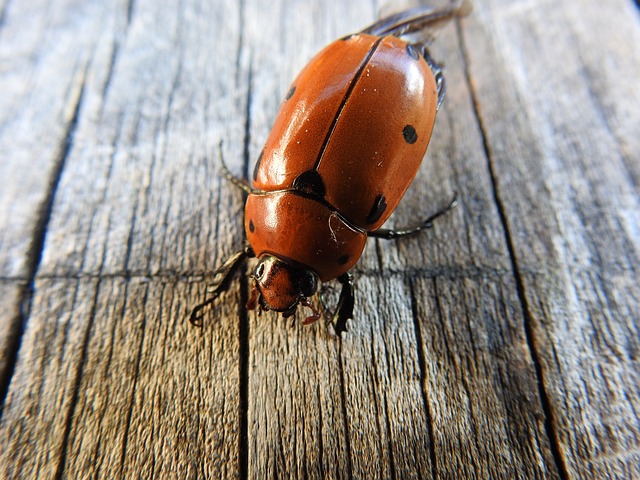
x: 280, y: 287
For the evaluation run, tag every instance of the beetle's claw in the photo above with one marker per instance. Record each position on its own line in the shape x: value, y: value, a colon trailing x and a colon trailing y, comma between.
x: 339, y: 321
x: 196, y: 320
x: 316, y: 313
x: 222, y: 278
x: 196, y: 317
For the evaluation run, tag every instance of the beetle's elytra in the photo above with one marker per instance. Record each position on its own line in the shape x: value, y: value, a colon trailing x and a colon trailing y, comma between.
x: 348, y: 140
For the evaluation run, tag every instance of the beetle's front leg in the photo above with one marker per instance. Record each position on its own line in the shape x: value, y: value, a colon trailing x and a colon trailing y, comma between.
x: 344, y: 311
x: 221, y: 282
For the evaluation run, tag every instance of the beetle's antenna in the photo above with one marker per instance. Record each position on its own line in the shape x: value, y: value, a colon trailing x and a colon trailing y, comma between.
x: 238, y: 182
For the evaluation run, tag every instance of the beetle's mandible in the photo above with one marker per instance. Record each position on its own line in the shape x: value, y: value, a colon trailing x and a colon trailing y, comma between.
x: 348, y: 140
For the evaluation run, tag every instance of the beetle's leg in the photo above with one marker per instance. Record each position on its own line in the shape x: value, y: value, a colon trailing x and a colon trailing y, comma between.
x: 438, y: 73
x: 428, y: 223
x: 344, y: 311
x: 221, y: 282
x: 323, y: 291
x: 422, y: 22
x: 418, y: 27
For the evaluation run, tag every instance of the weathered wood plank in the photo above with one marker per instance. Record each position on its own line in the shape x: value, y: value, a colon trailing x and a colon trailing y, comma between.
x: 568, y: 190
x: 51, y: 352
x: 127, y: 385
x: 42, y: 81
x: 43, y: 69
x: 480, y: 381
x: 145, y: 161
x: 295, y: 420
x: 502, y: 343
x: 116, y: 203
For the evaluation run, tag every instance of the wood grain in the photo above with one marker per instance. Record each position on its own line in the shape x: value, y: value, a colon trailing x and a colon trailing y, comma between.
x: 502, y: 343
x: 576, y: 175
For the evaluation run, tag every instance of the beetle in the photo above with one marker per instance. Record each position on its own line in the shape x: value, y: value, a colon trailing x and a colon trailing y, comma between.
x: 345, y: 146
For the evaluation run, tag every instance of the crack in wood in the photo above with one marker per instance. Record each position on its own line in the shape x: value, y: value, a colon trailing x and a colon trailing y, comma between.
x: 243, y: 362
x: 77, y: 379
x: 244, y: 339
x: 448, y: 272
x: 34, y: 254
x: 345, y: 417
x: 549, y: 422
x: 130, y: 7
x: 422, y: 363
x: 129, y: 414
x: 3, y: 13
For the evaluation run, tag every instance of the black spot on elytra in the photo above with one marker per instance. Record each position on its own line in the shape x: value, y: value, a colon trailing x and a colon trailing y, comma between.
x: 252, y: 227
x: 257, y: 167
x: 413, y: 53
x: 343, y: 259
x: 377, y: 209
x: 290, y: 93
x: 310, y: 182
x: 409, y: 133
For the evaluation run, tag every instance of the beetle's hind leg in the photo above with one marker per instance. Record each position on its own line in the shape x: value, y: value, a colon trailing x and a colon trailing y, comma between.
x: 221, y: 282
x: 438, y: 73
x: 428, y: 223
x: 420, y: 23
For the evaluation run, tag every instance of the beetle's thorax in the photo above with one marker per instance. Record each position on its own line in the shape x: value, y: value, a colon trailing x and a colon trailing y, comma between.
x: 302, y: 231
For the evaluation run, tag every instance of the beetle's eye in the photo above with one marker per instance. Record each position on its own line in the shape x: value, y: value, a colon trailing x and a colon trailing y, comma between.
x: 259, y: 271
x: 308, y: 284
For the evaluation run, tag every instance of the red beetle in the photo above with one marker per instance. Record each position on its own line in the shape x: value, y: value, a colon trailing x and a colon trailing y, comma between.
x: 345, y: 146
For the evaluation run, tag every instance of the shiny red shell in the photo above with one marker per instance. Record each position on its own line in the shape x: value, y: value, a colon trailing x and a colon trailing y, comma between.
x: 345, y: 146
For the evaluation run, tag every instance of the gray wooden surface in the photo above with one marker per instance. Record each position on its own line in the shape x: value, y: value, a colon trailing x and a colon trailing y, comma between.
x: 504, y: 343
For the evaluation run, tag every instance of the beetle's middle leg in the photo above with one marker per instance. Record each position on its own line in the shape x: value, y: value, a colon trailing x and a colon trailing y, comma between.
x: 428, y: 223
